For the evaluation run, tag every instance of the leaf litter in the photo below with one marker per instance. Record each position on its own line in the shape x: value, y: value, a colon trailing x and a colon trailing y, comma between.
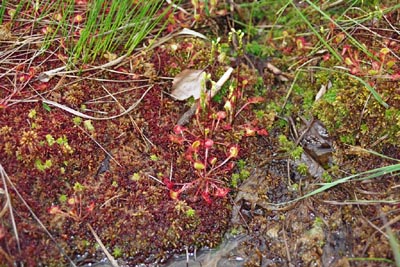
x: 188, y: 83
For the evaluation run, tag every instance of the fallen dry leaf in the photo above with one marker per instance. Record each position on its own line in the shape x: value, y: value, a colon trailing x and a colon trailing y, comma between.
x: 188, y: 83
x: 5, y: 32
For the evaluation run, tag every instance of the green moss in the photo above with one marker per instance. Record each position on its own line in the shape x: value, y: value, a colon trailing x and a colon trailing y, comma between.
x: 326, y: 177
x: 42, y: 166
x: 296, y: 152
x: 50, y: 139
x: 77, y: 120
x: 63, y: 198
x: 259, y: 50
x: 236, y: 178
x: 302, y: 168
x: 349, y: 110
x: 32, y: 114
x: 78, y: 187
x: 348, y: 139
x: 88, y: 125
x: 290, y: 147
x: 154, y: 157
x: 117, y: 252
x: 190, y: 212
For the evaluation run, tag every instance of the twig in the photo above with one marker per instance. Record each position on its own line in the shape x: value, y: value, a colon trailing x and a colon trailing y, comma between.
x: 82, y: 115
x: 8, y: 258
x: 286, y: 246
x: 114, y: 263
x: 48, y: 75
x: 130, y: 117
x: 99, y: 145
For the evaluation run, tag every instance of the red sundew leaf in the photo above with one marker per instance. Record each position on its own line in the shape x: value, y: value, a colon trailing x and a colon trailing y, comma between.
x: 212, y: 160
x: 384, y: 51
x: 262, y: 132
x: 206, y: 197
x: 20, y: 67
x: 221, y: 192
x: 78, y: 19
x: 170, y: 28
x: 24, y: 78
x: 227, y: 127
x: 348, y: 61
x: 176, y: 139
x: 375, y: 65
x: 90, y: 208
x: 72, y: 201
x: 250, y: 131
x: 326, y: 57
x: 208, y: 143
x: 221, y: 115
x: 3, y: 106
x: 354, y: 70
x: 189, y: 156
x: 393, y: 77
x: 301, y: 43
x: 195, y: 146
x: 168, y: 183
x: 179, y: 129
x: 256, y: 99
x: 229, y: 166
x: 32, y: 72
x: 54, y: 210
x: 345, y: 49
x: 42, y: 86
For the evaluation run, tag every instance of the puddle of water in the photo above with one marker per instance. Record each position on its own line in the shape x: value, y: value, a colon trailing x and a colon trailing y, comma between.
x: 224, y: 256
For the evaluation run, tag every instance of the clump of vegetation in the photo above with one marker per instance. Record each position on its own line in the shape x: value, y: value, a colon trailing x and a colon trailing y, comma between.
x: 350, y: 109
x: 294, y: 151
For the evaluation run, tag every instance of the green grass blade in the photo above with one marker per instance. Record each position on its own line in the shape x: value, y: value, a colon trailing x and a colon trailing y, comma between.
x: 371, y: 174
x: 394, y: 244
x: 120, y: 24
x: 322, y: 39
x: 351, y: 38
x: 2, y: 10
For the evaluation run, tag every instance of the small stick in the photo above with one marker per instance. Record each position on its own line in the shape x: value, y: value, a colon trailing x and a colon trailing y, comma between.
x: 113, y: 262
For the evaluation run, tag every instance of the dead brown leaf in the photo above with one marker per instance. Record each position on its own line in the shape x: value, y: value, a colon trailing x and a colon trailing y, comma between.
x: 188, y: 83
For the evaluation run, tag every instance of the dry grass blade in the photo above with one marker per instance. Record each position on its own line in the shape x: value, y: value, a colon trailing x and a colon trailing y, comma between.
x: 47, y: 75
x: 144, y: 137
x: 393, y: 239
x: 8, y: 203
x: 82, y: 115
